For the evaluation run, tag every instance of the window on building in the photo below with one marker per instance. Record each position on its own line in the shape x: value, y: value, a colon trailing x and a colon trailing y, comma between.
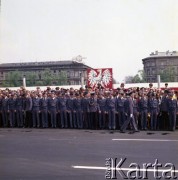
x: 72, y: 82
x: 68, y: 74
x: 71, y: 73
x: 76, y: 74
x: 148, y: 72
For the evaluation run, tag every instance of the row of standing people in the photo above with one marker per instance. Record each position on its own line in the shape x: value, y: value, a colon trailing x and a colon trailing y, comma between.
x: 90, y: 111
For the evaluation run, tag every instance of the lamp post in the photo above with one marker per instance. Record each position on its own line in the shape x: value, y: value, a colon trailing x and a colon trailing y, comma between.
x: 81, y: 79
x: 158, y: 80
x: 24, y: 81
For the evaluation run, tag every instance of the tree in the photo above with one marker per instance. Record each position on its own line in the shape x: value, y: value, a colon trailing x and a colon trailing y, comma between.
x: 138, y: 78
x: 62, y: 78
x: 47, y: 77
x: 31, y: 79
x: 168, y: 74
x: 13, y: 79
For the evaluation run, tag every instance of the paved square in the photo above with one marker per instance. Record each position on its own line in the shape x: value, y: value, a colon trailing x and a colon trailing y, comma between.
x: 79, y: 154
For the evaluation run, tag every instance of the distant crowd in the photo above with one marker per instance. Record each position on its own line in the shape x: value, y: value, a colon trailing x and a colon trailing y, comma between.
x: 133, y: 109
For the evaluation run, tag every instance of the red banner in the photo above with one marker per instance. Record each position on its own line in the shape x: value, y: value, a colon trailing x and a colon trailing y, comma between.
x: 101, y: 77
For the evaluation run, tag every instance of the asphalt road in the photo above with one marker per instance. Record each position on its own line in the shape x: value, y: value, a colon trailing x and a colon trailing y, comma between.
x: 68, y: 154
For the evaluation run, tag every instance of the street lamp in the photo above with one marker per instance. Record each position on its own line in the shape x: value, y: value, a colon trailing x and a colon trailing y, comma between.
x: 24, y: 81
x: 82, y: 79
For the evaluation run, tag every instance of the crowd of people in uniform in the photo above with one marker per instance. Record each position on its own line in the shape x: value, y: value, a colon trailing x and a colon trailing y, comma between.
x: 86, y: 108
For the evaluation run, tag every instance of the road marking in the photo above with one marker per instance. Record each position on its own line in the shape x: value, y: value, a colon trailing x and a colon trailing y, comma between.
x: 123, y: 169
x: 151, y: 140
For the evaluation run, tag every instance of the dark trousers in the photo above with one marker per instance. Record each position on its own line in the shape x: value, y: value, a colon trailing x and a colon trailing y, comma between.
x: 130, y: 120
x: 19, y: 115
x: 102, y: 119
x: 44, y: 118
x: 172, y: 120
x: 12, y: 118
x: 79, y: 119
x: 53, y: 118
x: 144, y: 115
x: 154, y: 114
x: 5, y: 118
x: 36, y: 118
x: 71, y: 117
x: 121, y: 118
x: 112, y: 119
x: 28, y: 119
x: 86, y: 119
x: 93, y: 120
x: 64, y: 122
x: 164, y: 120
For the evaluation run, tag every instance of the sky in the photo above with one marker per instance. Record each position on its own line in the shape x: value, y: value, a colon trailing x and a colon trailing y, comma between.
x: 114, y: 34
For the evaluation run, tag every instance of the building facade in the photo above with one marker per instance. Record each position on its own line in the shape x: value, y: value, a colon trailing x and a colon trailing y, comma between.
x: 74, y: 71
x: 157, y: 62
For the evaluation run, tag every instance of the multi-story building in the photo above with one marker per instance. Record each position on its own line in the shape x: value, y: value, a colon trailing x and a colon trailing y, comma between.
x: 157, y: 62
x: 74, y: 70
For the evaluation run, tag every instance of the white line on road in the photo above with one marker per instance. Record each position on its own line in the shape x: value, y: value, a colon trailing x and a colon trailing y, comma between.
x: 151, y: 140
x: 123, y: 169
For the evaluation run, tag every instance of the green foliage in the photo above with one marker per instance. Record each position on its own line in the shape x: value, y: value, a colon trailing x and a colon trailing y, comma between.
x: 168, y: 74
x: 30, y: 79
x: 13, y: 79
x: 48, y: 78
x: 138, y: 78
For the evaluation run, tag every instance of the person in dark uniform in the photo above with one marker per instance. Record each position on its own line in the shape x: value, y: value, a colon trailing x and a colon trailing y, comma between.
x: 1, y: 98
x: 70, y: 108
x: 111, y: 109
x: 36, y: 110
x: 153, y: 109
x: 128, y: 109
x: 63, y: 110
x: 52, y: 109
x: 12, y: 109
x: 44, y: 110
x: 93, y: 109
x: 120, y: 108
x: 172, y: 111
x: 102, y: 112
x: 164, y: 118
x: 19, y: 111
x: 143, y: 110
x: 27, y: 110
x: 78, y: 121
x: 135, y: 108
x: 85, y: 109
x: 5, y: 109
